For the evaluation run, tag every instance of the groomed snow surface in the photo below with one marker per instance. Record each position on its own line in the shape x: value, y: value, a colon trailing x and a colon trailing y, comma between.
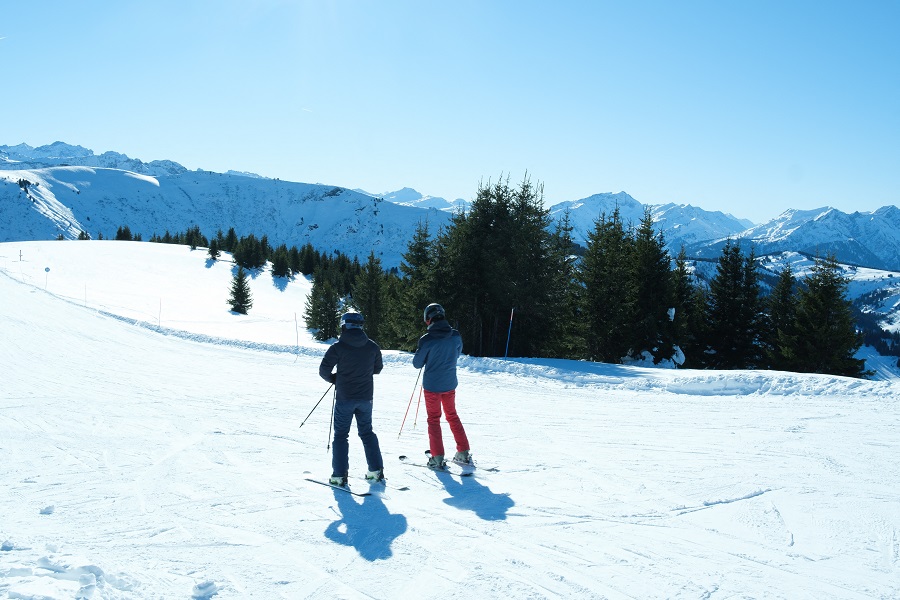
x: 150, y: 447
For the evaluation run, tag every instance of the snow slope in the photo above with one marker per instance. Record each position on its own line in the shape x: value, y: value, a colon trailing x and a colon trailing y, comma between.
x: 155, y: 453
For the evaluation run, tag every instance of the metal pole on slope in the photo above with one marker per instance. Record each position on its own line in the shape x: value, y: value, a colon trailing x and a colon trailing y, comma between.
x: 509, y: 333
x: 297, y: 331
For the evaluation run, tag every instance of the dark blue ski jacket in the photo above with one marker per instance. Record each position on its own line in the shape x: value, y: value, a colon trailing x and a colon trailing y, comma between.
x: 357, y: 359
x: 438, y: 351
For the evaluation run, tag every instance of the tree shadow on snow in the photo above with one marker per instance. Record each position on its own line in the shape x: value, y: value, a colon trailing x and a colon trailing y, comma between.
x: 280, y: 282
x: 367, y: 526
x: 468, y: 493
x: 251, y: 273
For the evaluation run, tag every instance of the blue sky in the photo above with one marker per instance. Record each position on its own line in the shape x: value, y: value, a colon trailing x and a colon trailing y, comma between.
x: 747, y: 107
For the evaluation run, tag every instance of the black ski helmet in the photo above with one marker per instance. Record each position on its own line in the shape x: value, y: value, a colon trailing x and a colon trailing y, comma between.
x: 352, y: 320
x: 433, y: 311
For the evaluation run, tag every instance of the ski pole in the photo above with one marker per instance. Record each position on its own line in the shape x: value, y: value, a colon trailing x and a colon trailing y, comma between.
x: 410, y: 403
x: 333, y: 401
x: 317, y: 405
x: 418, y: 404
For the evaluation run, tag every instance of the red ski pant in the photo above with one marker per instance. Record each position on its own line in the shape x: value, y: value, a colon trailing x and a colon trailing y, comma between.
x: 434, y: 401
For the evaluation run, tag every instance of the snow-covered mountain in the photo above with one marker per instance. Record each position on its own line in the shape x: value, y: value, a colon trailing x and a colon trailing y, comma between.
x: 682, y: 224
x: 869, y: 239
x: 61, y: 188
x: 65, y: 189
x: 410, y: 197
x: 42, y: 202
x: 24, y: 156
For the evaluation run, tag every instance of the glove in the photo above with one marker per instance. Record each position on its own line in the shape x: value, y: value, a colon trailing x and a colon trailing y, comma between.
x: 334, y: 378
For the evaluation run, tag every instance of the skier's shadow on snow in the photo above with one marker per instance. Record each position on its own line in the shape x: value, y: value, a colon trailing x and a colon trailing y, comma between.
x: 468, y: 493
x: 367, y: 526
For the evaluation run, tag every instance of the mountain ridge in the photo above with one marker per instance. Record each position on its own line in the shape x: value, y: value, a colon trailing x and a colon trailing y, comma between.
x: 358, y: 222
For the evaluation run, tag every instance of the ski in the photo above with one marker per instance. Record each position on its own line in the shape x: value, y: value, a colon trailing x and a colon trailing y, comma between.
x: 406, y: 460
x: 470, y: 465
x: 384, y: 482
x: 475, y: 466
x: 339, y: 487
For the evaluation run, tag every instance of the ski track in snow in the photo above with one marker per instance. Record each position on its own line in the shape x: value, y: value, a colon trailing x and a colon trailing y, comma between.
x: 174, y: 464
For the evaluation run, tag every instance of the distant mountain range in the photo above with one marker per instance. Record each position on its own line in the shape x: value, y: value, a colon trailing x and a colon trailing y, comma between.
x: 65, y: 189
x: 867, y: 239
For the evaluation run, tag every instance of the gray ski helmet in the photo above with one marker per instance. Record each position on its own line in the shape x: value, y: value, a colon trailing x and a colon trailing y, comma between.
x: 352, y: 320
x: 433, y: 311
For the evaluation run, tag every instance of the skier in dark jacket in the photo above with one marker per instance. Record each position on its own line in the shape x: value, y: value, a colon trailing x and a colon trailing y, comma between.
x: 438, y: 352
x: 357, y: 359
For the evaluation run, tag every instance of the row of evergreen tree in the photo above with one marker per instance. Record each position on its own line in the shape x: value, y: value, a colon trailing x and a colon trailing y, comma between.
x: 511, y: 283
x: 251, y: 252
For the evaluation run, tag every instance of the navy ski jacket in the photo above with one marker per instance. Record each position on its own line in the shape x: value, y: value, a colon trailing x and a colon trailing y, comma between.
x: 357, y: 358
x: 438, y: 351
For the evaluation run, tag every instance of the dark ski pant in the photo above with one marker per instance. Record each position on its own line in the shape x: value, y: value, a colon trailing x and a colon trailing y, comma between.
x: 434, y: 401
x: 344, y: 411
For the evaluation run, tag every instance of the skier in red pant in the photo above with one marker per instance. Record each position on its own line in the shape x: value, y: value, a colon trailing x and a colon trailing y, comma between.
x: 438, y: 352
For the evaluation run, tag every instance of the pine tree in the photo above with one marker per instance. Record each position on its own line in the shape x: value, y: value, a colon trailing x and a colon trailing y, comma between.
x: 251, y: 252
x: 281, y: 266
x: 780, y: 319
x: 684, y: 305
x: 825, y: 337
x: 309, y: 259
x: 566, y: 340
x: 534, y: 267
x: 123, y: 233
x: 322, y: 314
x: 294, y: 262
x: 694, y: 344
x: 368, y: 296
x: 415, y: 291
x: 241, y: 300
x: 394, y: 334
x: 231, y: 240
x: 495, y: 258
x: 652, y: 330
x: 213, y: 251
x: 608, y: 298
x: 193, y: 238
x: 734, y: 312
x: 472, y: 268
